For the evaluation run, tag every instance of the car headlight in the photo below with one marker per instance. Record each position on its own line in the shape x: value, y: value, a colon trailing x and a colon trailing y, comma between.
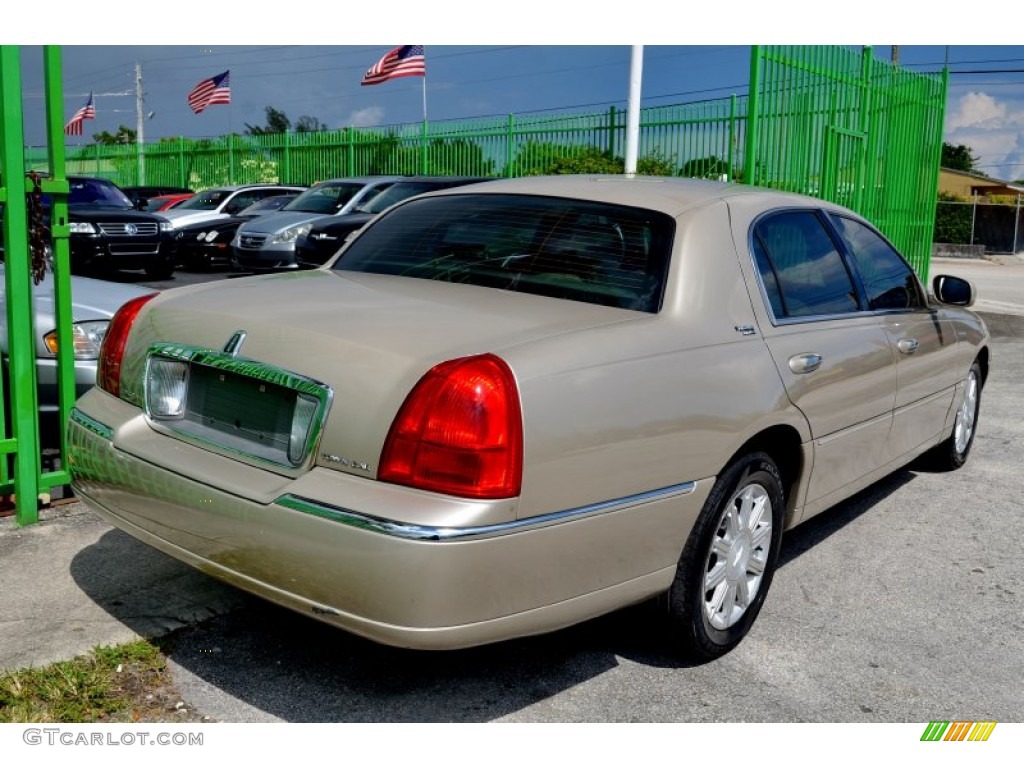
x: 87, y: 338
x: 81, y: 228
x: 166, y: 226
x: 211, y: 235
x: 291, y: 234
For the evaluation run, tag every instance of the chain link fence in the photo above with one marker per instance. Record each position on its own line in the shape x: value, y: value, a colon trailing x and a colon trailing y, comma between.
x: 998, y: 227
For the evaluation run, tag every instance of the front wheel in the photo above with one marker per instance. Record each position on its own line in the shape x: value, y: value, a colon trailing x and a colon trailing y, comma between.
x: 727, y: 565
x: 952, y: 453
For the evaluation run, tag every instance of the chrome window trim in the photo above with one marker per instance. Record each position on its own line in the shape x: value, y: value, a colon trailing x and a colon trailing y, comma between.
x: 444, y: 534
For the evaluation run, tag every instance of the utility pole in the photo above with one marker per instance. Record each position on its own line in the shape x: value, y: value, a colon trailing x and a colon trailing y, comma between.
x: 636, y: 68
x: 139, y: 120
x: 895, y: 54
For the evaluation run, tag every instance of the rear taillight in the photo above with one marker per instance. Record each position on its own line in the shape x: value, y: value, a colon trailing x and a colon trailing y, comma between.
x: 108, y: 376
x: 459, y: 432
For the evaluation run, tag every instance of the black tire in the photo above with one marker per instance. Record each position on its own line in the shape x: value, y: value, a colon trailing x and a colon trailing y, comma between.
x: 699, y: 630
x: 952, y: 453
x: 161, y: 270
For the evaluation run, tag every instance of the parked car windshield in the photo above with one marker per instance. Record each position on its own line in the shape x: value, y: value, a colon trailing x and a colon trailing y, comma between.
x: 266, y: 205
x: 96, y: 193
x: 205, y: 201
x: 393, y: 194
x: 326, y: 198
x: 570, y: 249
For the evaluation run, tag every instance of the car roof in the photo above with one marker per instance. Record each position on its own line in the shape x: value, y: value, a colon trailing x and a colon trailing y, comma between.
x: 668, y: 194
x: 360, y: 179
x: 262, y: 185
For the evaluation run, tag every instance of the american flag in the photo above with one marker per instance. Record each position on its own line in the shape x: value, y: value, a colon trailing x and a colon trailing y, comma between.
x: 404, y: 61
x: 213, y: 90
x: 74, y: 126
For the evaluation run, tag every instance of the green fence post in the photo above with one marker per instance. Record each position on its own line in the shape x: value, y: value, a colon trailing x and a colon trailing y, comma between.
x: 611, y: 131
x: 22, y: 353
x: 424, y: 164
x: 510, y: 138
x: 58, y: 190
x: 182, y: 176
x: 753, y: 104
x: 732, y: 138
x: 287, y: 162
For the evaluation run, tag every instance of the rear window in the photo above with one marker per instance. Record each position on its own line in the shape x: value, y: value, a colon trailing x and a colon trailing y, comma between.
x: 577, y: 250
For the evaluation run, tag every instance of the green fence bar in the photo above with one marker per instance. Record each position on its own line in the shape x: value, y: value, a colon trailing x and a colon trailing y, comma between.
x: 57, y: 189
x: 21, y: 348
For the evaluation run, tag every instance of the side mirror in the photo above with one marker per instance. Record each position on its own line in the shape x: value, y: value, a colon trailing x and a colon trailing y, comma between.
x: 953, y: 290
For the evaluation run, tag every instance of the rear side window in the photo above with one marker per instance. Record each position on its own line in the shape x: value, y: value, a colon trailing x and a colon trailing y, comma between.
x: 801, y: 269
x: 889, y: 281
x: 568, y: 249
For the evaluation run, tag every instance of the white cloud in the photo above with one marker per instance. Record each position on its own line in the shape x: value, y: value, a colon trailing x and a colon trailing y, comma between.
x: 978, y: 110
x: 994, y: 130
x: 365, y: 118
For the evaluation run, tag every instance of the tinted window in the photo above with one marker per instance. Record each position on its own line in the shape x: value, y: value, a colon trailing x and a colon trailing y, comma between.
x: 888, y: 280
x: 810, y: 275
x: 97, y: 193
x: 205, y: 201
x: 329, y: 197
x: 568, y: 249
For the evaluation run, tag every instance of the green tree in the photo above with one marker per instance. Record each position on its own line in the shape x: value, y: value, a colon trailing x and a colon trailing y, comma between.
x: 309, y: 124
x: 124, y: 135
x: 710, y: 167
x: 959, y: 157
x: 277, y: 122
x: 952, y: 220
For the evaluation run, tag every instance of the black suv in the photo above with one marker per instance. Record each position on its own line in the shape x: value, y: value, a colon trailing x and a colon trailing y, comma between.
x: 108, y: 233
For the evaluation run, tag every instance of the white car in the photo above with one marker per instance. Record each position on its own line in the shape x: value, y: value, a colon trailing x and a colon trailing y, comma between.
x: 223, y: 202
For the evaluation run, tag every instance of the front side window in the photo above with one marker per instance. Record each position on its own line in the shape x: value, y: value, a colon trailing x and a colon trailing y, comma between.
x: 802, y: 271
x: 568, y: 249
x: 889, y: 282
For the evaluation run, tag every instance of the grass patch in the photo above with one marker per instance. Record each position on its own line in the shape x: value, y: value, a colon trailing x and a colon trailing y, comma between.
x: 124, y: 683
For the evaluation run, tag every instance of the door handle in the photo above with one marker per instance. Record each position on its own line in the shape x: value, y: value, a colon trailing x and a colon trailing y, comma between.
x: 906, y: 346
x: 805, y: 363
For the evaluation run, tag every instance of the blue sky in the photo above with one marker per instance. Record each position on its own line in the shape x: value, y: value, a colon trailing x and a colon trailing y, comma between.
x: 533, y: 57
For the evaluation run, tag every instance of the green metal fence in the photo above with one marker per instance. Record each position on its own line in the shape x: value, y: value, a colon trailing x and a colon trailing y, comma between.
x: 839, y: 124
x: 21, y: 470
x: 827, y: 121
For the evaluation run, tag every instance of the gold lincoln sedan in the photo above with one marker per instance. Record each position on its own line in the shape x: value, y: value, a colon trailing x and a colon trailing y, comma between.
x: 505, y: 408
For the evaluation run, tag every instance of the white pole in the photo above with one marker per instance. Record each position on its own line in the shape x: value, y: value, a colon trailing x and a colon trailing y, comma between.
x: 636, y: 67
x: 139, y: 120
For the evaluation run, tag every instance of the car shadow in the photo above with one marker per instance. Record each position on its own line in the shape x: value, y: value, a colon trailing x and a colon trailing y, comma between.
x: 261, y: 661
x: 812, y: 532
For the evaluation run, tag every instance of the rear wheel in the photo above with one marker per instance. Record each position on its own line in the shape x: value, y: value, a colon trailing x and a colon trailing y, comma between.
x: 729, y: 560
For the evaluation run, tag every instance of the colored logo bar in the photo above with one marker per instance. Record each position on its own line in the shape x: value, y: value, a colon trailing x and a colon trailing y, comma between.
x: 958, y: 731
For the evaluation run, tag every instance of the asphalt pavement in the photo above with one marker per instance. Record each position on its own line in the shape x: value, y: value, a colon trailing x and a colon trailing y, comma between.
x: 901, y: 604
